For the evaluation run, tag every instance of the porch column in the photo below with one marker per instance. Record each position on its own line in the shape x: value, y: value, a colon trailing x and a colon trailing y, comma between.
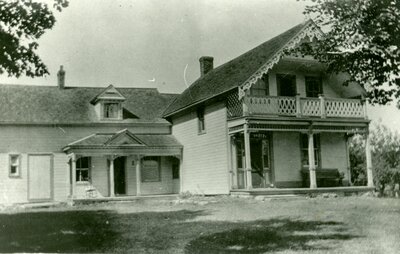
x: 138, y: 175
x: 73, y: 175
x: 311, y: 161
x: 369, y: 161
x: 234, y: 164
x: 247, y: 154
x: 111, y: 177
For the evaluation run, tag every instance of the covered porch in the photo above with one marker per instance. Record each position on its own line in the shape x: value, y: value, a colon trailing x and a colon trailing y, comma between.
x: 272, y: 156
x: 117, y: 166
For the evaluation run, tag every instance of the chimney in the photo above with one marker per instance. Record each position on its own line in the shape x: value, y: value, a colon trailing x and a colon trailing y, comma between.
x: 206, y: 64
x: 61, y: 78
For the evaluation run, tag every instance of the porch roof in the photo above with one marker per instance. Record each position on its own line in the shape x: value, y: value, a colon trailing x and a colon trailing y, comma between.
x: 125, y: 142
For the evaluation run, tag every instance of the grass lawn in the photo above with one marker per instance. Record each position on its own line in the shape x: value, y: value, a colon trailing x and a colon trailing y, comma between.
x: 333, y: 225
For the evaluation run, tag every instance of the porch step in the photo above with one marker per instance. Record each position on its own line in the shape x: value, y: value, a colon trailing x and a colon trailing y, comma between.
x: 40, y: 205
x: 123, y: 199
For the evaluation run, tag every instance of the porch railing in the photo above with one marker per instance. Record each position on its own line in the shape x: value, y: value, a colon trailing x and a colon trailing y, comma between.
x: 304, y: 107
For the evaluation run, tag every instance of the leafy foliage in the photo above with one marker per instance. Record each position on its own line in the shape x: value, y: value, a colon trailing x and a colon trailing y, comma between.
x: 22, y: 23
x: 363, y: 39
x: 385, y: 145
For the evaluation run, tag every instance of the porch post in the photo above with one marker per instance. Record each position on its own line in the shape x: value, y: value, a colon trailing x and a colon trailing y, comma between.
x: 234, y: 169
x: 138, y: 175
x: 247, y: 154
x: 311, y: 161
x: 111, y: 178
x: 73, y: 175
x: 368, y: 160
x: 322, y: 105
x: 298, y: 105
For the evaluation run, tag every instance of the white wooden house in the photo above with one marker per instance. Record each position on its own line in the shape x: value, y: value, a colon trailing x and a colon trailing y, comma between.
x: 246, y: 125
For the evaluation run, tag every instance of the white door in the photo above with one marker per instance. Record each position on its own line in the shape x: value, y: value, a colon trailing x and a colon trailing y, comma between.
x: 39, y: 186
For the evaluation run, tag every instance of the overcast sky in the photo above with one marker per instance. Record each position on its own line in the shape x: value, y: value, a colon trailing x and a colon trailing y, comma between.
x: 148, y: 43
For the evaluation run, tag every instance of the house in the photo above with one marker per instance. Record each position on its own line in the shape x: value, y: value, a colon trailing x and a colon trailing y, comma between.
x: 248, y: 124
x: 251, y: 122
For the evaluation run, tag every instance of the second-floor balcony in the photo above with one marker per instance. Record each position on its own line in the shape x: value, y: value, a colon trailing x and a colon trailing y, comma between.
x: 297, y: 106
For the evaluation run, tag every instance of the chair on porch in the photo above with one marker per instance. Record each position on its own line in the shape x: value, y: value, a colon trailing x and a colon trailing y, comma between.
x: 91, y: 192
x: 325, y: 177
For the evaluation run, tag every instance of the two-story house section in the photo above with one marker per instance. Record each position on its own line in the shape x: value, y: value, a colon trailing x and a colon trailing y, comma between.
x: 268, y: 120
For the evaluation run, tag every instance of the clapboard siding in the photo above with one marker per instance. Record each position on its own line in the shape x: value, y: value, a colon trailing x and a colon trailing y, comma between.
x: 61, y: 177
x: 287, y: 158
x: 205, y: 162
x: 13, y: 190
x: 334, y: 152
x: 100, y: 175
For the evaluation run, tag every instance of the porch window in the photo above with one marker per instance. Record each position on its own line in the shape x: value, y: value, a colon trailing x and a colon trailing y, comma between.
x: 304, y: 150
x: 82, y: 169
x: 175, y: 168
x: 111, y: 110
x: 286, y: 85
x: 14, y: 168
x: 313, y: 86
x: 151, y: 169
x: 201, y: 121
x: 261, y: 87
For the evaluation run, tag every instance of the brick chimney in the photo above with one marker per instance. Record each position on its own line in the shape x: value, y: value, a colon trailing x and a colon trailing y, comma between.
x: 61, y: 78
x: 206, y: 64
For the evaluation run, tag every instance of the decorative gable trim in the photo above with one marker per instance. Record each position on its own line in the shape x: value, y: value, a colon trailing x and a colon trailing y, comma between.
x: 310, y: 30
x: 108, y: 94
x: 124, y: 137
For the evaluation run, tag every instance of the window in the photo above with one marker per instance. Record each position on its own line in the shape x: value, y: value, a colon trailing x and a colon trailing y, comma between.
x: 175, y: 168
x: 313, y: 86
x: 286, y: 85
x: 111, y: 110
x: 82, y: 169
x: 261, y: 87
x: 200, y: 117
x: 14, y: 170
x: 151, y: 169
x: 304, y: 150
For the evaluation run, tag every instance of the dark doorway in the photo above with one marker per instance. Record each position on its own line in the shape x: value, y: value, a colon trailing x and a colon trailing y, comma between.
x: 119, y: 176
x: 286, y: 85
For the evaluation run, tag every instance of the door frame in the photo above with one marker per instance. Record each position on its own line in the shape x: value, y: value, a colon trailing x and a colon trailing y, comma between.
x: 125, y: 170
x: 269, y: 136
x: 51, y: 155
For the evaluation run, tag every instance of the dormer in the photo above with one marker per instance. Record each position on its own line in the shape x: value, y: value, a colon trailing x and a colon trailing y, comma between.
x: 108, y: 104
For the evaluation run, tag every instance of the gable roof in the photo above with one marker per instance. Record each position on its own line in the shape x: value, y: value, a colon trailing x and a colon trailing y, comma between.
x: 25, y: 104
x: 234, y: 73
x: 105, y: 140
x: 110, y: 93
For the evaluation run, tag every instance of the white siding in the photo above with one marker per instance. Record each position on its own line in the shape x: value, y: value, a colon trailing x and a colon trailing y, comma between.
x: 205, y: 156
x: 334, y: 153
x: 13, y: 190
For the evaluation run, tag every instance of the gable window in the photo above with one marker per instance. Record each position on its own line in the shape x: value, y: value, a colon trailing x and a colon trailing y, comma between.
x: 304, y: 150
x: 175, y: 168
x: 261, y: 87
x: 201, y: 120
x: 111, y: 110
x: 82, y: 169
x: 15, y: 165
x: 151, y: 169
x: 286, y: 85
x: 313, y: 86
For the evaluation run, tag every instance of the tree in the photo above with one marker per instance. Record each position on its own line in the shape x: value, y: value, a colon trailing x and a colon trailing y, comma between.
x: 22, y: 23
x: 385, y: 156
x: 362, y: 38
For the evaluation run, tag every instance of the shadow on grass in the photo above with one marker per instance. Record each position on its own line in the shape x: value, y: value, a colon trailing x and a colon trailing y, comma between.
x: 86, y: 231
x: 272, y: 236
x: 162, y: 232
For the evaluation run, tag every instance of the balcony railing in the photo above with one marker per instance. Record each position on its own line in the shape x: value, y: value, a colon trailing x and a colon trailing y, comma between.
x: 304, y: 107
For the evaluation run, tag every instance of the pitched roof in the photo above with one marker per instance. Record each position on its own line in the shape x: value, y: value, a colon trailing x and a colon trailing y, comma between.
x: 233, y: 73
x: 51, y: 105
x: 125, y: 139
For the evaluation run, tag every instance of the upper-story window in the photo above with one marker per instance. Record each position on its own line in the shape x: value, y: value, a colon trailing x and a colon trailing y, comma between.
x: 313, y: 86
x: 286, y: 84
x: 201, y: 120
x: 111, y: 110
x: 261, y: 87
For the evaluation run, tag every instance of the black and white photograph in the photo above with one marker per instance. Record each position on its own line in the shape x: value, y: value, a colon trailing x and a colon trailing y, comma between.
x: 200, y: 126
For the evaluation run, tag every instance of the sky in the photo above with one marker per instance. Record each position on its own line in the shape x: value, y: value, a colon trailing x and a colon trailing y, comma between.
x: 157, y: 43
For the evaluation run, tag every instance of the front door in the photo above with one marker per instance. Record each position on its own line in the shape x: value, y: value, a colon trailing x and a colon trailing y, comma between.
x: 260, y: 148
x: 119, y: 176
x: 39, y: 177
